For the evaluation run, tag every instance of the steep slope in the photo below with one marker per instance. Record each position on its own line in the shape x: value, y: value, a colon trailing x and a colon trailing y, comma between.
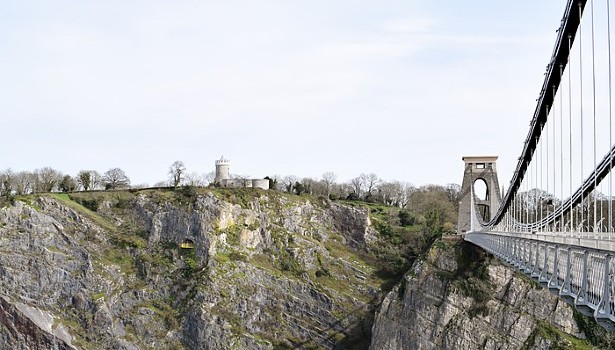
x: 459, y: 297
x: 215, y: 269
x: 18, y: 330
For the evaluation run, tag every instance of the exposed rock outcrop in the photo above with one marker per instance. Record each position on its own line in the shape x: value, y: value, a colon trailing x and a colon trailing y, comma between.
x: 262, y: 270
x: 456, y: 299
x: 21, y: 332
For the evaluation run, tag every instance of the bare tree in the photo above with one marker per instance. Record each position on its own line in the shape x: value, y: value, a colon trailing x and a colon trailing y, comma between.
x: 394, y: 193
x: 194, y: 179
x: 115, y: 178
x: 388, y: 193
x: 453, y: 192
x: 24, y: 182
x: 67, y: 184
x: 341, y: 190
x: 7, y: 183
x: 96, y: 180
x: 370, y: 181
x: 176, y: 172
x: 47, y: 179
x: 357, y: 186
x: 310, y: 186
x: 328, y: 179
x: 289, y: 182
x: 278, y: 181
x: 208, y: 178
x: 88, y: 179
x: 409, y: 193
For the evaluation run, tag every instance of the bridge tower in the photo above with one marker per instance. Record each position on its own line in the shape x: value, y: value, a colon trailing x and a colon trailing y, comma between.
x: 478, y: 169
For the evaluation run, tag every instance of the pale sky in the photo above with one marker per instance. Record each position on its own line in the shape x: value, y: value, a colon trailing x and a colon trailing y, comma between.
x: 403, y: 89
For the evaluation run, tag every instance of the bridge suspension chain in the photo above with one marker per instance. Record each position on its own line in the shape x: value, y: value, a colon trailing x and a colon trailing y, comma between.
x: 554, y: 187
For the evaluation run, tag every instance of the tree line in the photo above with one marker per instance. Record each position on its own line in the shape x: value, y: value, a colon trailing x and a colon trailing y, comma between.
x: 366, y: 187
x: 48, y: 179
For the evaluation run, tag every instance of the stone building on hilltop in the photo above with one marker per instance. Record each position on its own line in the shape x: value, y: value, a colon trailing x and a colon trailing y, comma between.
x: 223, y: 177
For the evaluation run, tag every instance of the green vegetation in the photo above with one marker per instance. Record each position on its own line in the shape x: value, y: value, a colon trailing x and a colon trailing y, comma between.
x: 190, y: 262
x: 559, y: 339
x: 404, y: 235
x: 471, y: 277
x: 91, y: 215
x: 595, y: 334
x: 241, y: 196
x: 164, y: 311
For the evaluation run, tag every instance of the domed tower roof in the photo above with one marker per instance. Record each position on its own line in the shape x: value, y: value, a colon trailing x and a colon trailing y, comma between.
x: 223, y: 160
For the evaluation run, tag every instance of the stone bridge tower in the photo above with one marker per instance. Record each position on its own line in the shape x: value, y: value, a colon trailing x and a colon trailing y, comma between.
x: 478, y: 169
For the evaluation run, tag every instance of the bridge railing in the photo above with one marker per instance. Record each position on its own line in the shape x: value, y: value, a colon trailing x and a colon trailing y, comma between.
x: 584, y: 275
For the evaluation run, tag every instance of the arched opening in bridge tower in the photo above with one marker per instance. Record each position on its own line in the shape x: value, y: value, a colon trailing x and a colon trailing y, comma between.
x: 187, y: 244
x: 483, y: 212
x: 481, y: 191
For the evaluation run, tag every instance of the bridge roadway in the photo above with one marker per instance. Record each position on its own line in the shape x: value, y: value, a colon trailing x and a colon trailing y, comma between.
x: 592, y: 240
x: 579, y: 267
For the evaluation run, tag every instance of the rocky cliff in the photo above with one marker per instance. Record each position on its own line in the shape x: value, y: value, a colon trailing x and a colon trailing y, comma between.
x: 458, y: 297
x: 215, y: 269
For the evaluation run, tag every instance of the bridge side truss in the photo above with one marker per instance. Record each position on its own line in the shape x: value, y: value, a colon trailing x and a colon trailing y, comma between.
x: 581, y: 275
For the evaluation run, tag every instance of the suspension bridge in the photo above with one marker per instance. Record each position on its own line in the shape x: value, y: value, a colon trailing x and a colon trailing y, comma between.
x: 556, y: 222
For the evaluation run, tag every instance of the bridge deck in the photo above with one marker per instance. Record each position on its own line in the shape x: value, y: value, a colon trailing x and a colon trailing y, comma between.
x: 599, y: 241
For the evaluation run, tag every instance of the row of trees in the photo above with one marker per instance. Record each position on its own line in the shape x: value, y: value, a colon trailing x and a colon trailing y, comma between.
x: 51, y: 180
x: 367, y: 187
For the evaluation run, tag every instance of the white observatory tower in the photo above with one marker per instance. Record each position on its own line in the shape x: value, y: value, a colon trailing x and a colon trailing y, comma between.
x: 223, y: 167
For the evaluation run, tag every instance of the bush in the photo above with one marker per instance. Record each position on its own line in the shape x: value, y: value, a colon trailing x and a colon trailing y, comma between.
x: 406, y: 218
x: 322, y: 272
x: 188, y: 192
x: 90, y: 203
x: 352, y: 197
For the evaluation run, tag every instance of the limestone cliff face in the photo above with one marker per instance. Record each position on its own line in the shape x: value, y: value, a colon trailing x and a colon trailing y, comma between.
x: 19, y: 331
x: 455, y: 299
x: 258, y: 270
